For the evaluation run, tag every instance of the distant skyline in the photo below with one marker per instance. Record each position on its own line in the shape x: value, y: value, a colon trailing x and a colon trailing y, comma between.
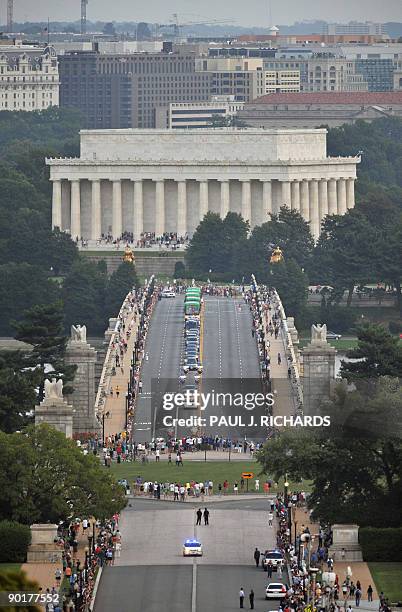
x: 250, y: 13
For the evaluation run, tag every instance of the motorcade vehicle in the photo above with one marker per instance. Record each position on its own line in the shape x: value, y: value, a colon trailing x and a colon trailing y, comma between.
x: 276, y: 558
x: 275, y: 590
x: 192, y: 548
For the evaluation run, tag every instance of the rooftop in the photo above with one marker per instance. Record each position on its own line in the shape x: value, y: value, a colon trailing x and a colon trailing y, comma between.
x: 332, y: 97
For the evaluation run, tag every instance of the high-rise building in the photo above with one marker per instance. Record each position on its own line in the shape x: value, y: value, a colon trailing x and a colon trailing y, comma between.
x: 29, y: 77
x: 354, y: 27
x: 123, y: 90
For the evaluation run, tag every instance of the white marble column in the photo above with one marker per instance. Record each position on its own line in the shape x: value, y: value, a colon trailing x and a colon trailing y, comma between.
x: 56, y: 204
x: 159, y: 208
x: 314, y: 209
x: 181, y: 208
x: 323, y: 199
x: 203, y: 194
x: 225, y: 198
x: 286, y: 196
x: 332, y: 199
x: 96, y: 229
x: 117, y: 229
x: 246, y: 200
x: 304, y: 200
x: 350, y: 193
x: 75, y: 210
x: 266, y: 201
x: 295, y: 195
x: 342, y: 208
x: 138, y: 210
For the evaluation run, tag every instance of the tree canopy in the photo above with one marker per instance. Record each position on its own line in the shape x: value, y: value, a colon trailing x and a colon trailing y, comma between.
x: 45, y: 478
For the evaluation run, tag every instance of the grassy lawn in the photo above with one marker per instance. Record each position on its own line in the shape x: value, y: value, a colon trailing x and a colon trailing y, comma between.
x: 217, y: 471
x: 343, y: 344
x: 388, y: 578
x: 10, y: 567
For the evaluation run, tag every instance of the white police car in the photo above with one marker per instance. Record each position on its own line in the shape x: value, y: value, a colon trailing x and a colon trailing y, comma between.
x: 192, y: 548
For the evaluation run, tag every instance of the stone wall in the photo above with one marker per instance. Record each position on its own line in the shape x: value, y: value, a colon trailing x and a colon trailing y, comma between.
x: 144, y: 264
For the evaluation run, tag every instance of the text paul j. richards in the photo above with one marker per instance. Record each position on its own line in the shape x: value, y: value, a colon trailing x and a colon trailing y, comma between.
x: 250, y: 421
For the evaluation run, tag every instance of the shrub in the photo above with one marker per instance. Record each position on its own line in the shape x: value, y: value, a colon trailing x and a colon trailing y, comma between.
x: 395, y: 327
x: 15, y: 539
x: 179, y: 270
x: 381, y: 544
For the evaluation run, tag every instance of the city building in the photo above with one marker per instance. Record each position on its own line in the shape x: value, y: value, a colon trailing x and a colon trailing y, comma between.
x: 309, y: 110
x: 167, y: 180
x: 123, y: 90
x: 29, y: 77
x: 179, y: 115
x: 355, y: 27
x: 378, y: 73
x: 325, y: 72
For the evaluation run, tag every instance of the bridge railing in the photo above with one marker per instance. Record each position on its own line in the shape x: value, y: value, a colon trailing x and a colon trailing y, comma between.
x: 290, y: 350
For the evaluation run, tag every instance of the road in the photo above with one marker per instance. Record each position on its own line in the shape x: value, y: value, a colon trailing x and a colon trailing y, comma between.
x: 152, y: 575
x: 230, y: 360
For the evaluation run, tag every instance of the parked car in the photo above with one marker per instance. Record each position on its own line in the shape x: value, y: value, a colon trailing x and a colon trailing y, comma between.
x: 333, y: 336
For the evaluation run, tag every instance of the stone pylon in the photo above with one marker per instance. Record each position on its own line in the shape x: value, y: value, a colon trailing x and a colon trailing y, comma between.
x: 82, y: 355
x: 318, y: 370
x: 55, y: 410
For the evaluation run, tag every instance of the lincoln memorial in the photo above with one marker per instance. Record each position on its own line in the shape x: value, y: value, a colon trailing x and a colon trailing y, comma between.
x: 137, y: 180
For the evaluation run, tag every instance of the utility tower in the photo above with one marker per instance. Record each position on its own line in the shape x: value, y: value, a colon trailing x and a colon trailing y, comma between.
x: 84, y: 16
x: 10, y: 11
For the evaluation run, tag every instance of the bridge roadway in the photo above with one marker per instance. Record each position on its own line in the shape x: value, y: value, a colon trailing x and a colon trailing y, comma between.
x: 228, y: 353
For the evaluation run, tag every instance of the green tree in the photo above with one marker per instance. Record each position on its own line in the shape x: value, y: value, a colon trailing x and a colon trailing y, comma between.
x: 46, y: 478
x: 355, y: 465
x: 83, y: 292
x: 344, y: 254
x: 289, y: 231
x: 43, y: 328
x: 205, y: 250
x: 15, y: 582
x: 291, y: 283
x: 22, y: 286
x: 379, y: 354
x: 123, y: 280
x: 17, y: 391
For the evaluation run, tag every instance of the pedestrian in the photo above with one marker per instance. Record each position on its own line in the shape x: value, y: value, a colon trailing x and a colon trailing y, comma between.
x: 257, y: 556
x: 251, y: 598
x: 257, y: 484
x: 279, y: 359
x: 220, y: 489
x: 199, y: 516
x: 343, y: 554
x: 206, y: 516
x: 358, y: 595
x: 235, y: 488
x: 117, y: 391
x: 241, y: 597
x: 157, y: 455
x: 370, y: 593
x: 270, y: 568
x: 270, y: 519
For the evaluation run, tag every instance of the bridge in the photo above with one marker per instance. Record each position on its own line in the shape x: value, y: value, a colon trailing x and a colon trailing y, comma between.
x: 238, y: 343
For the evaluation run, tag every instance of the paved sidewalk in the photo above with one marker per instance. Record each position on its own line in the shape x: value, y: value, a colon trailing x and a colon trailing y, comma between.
x: 281, y: 384
x: 360, y: 570
x: 211, y: 456
x: 116, y: 406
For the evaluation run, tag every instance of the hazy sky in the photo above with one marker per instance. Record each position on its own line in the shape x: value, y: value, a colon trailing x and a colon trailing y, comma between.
x: 242, y: 12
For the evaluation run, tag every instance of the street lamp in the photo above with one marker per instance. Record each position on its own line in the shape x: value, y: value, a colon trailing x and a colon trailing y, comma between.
x: 313, y: 572
x: 105, y: 415
x: 286, y: 485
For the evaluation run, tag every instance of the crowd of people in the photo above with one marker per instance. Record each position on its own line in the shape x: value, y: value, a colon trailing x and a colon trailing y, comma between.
x: 75, y: 581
